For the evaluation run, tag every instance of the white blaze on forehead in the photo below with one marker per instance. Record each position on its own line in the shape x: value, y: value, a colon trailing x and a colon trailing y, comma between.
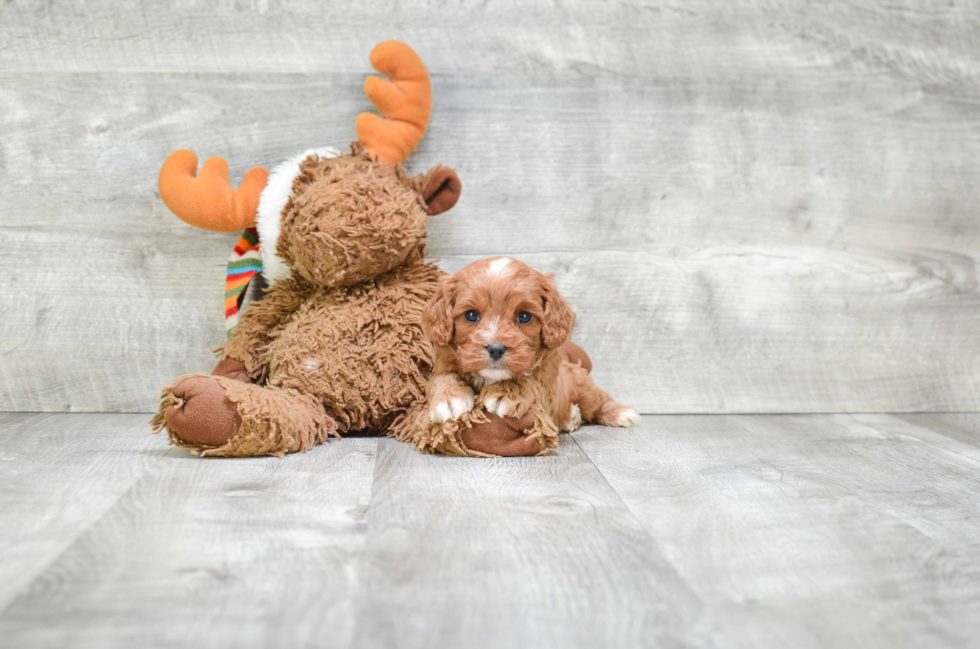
x: 499, y: 266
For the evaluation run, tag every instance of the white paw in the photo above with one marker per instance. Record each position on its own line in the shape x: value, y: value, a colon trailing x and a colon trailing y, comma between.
x: 500, y: 407
x: 627, y: 418
x: 445, y: 410
x: 575, y: 422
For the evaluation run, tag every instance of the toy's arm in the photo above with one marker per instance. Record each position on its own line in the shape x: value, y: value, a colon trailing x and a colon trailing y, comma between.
x: 259, y: 326
x: 232, y: 369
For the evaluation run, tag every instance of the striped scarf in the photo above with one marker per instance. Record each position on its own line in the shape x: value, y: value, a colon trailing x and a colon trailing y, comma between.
x: 243, y: 264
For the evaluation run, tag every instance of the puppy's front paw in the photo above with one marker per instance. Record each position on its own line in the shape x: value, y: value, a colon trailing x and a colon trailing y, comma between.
x: 450, y: 408
x: 500, y: 406
x: 503, y: 401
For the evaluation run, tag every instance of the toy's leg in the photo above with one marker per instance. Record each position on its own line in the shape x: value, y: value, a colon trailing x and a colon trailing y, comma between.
x: 505, y: 436
x: 216, y: 415
x: 478, y: 434
x: 207, y: 417
x: 197, y: 412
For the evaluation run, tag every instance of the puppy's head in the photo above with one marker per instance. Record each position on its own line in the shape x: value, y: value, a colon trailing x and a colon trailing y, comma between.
x: 499, y: 316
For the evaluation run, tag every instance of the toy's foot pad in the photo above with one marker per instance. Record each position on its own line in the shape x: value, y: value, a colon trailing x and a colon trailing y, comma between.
x: 204, y: 415
x: 503, y: 436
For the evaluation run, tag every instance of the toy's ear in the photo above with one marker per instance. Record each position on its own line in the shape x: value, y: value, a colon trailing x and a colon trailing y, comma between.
x: 437, y: 317
x: 556, y: 325
x: 442, y: 189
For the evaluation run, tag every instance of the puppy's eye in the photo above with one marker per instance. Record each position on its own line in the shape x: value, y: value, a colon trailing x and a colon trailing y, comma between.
x: 472, y: 316
x: 523, y: 317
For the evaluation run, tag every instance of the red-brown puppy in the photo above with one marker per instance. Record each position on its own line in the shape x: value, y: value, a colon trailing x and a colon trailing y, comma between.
x: 498, y: 326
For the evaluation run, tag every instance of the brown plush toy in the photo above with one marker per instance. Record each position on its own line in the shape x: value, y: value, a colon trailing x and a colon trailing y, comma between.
x: 336, y: 345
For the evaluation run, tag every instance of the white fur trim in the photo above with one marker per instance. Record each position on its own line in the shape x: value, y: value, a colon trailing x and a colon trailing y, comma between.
x: 272, y: 201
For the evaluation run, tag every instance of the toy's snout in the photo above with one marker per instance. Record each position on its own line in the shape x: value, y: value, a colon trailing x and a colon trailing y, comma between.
x: 342, y: 229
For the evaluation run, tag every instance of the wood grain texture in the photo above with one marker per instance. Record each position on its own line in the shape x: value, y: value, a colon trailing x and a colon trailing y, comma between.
x: 535, y: 552
x: 228, y: 553
x: 964, y: 427
x: 754, y: 207
x: 808, y: 531
x: 687, y: 531
x: 9, y: 420
x: 59, y: 474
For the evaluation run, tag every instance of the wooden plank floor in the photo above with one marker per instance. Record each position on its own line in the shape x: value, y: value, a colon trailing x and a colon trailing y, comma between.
x: 704, y: 531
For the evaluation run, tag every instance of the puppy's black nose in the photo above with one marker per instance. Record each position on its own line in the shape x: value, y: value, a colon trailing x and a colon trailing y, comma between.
x: 496, y: 350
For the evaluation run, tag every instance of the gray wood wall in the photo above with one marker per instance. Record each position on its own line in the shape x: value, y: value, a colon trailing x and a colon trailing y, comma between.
x: 754, y: 206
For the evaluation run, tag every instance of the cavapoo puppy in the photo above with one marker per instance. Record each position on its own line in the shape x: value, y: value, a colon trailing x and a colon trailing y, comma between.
x: 498, y: 327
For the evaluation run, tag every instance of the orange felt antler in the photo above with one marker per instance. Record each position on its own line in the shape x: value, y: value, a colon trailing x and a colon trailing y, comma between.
x: 207, y: 200
x: 405, y: 101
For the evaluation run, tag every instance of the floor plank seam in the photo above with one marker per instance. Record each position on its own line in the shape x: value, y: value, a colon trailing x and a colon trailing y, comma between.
x: 42, y: 570
x: 360, y: 563
x: 636, y: 519
x: 82, y: 531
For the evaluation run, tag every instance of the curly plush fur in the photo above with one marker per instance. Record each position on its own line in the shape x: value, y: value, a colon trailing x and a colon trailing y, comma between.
x: 359, y: 349
x: 338, y: 346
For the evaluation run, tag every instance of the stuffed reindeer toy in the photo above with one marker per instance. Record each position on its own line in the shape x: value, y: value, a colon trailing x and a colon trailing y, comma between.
x: 335, y: 345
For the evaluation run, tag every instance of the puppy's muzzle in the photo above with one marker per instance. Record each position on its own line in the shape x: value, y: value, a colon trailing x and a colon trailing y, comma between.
x: 496, y: 351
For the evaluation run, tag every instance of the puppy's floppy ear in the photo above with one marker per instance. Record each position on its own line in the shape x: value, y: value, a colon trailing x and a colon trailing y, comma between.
x: 437, y: 317
x: 441, y: 190
x: 556, y: 324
